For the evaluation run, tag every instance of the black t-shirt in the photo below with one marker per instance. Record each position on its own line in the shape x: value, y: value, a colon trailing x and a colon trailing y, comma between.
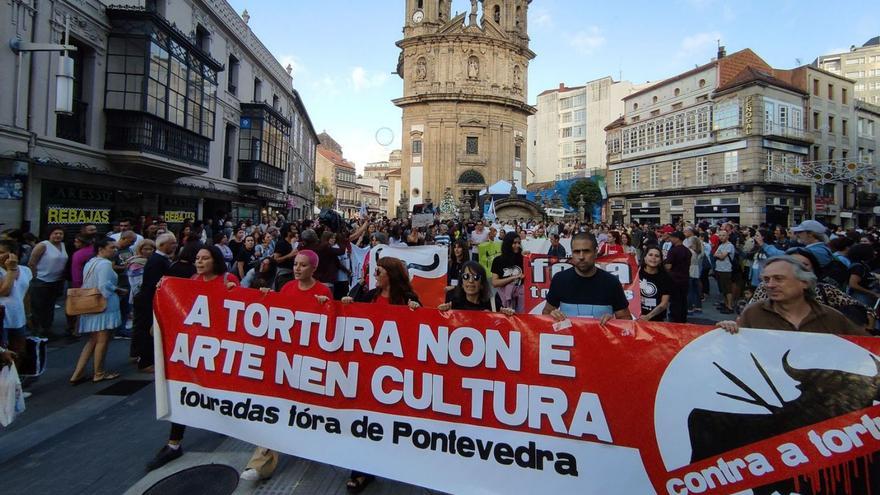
x: 593, y: 296
x: 236, y: 248
x: 503, y: 268
x: 653, y: 287
x: 863, y: 271
x: 460, y: 301
x: 249, y: 257
x: 680, y: 259
x: 283, y: 248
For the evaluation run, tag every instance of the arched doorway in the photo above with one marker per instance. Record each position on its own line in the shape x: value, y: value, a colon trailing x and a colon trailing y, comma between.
x: 471, y: 182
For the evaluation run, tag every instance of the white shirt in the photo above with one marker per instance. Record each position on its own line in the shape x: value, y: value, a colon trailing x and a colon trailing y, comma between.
x: 14, y: 302
x: 116, y: 236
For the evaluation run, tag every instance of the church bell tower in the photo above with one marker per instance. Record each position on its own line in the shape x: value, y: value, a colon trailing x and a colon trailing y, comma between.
x: 464, y: 100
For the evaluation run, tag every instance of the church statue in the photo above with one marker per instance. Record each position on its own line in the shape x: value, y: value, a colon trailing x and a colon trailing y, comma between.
x: 473, y: 68
x: 421, y: 69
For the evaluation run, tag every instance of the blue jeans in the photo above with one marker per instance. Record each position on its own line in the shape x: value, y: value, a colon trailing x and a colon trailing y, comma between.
x: 694, y: 293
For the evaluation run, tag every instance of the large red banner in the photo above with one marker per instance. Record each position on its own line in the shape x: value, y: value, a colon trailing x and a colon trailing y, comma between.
x: 541, y: 268
x: 476, y: 402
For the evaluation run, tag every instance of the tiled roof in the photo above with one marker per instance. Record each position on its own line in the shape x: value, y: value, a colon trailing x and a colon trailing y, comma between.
x: 335, y: 158
x: 751, y: 74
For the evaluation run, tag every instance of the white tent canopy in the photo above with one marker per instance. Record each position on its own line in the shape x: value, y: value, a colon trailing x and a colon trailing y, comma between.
x: 502, y: 187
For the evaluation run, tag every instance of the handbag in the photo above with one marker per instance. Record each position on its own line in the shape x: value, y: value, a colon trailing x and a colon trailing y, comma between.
x: 85, y: 301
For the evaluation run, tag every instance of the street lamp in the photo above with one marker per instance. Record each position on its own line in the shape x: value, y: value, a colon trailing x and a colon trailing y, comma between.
x: 64, y: 79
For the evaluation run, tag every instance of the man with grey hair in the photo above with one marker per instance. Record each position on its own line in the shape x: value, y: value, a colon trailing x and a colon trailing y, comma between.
x: 156, y: 268
x: 811, y: 234
x: 790, y: 303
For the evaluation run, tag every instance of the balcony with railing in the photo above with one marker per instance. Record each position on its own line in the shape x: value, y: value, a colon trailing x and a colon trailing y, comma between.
x: 788, y: 133
x: 260, y: 174
x: 147, y: 134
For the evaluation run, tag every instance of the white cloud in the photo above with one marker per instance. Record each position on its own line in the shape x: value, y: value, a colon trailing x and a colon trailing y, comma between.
x: 326, y: 85
x: 698, y: 44
x: 298, y: 67
x: 362, y: 79
x: 587, y: 41
x: 541, y: 18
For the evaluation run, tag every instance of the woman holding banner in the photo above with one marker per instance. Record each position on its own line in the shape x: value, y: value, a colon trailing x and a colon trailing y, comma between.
x: 210, y: 269
x: 393, y: 288
x: 472, y: 291
x: 507, y: 273
x: 264, y: 461
x: 655, y: 285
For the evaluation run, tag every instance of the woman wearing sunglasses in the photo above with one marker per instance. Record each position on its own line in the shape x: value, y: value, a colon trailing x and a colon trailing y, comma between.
x: 472, y: 291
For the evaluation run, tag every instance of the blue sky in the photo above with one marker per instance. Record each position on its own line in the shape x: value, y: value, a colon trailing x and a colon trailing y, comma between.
x: 343, y: 51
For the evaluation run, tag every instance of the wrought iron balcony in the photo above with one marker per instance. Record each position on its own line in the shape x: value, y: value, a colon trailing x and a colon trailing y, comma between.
x: 145, y: 133
x: 260, y: 174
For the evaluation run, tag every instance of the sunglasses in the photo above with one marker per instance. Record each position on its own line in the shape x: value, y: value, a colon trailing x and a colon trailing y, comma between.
x: 471, y: 276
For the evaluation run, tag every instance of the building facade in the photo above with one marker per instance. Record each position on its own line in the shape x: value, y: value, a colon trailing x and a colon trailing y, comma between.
x: 464, y: 99
x: 862, y: 65
x: 337, y: 176
x: 718, y: 142
x: 567, y: 134
x: 178, y: 110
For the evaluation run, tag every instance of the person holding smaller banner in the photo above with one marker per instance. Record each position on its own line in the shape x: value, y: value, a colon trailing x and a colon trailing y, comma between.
x: 655, y: 285
x: 586, y: 290
x: 392, y: 288
x: 507, y: 273
x: 472, y: 292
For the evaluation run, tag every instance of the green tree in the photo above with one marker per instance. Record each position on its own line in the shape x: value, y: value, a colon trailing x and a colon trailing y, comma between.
x: 323, y: 195
x: 589, y: 189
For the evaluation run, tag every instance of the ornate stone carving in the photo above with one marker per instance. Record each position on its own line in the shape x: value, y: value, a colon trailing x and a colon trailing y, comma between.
x: 421, y: 69
x: 473, y: 68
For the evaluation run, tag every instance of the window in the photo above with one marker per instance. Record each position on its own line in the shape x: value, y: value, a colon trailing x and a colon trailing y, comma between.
x: 618, y: 180
x: 125, y: 74
x: 702, y: 83
x: 830, y: 91
x: 566, y: 118
x: 635, y: 106
x: 830, y: 154
x: 815, y: 87
x: 580, y: 147
x: 258, y: 89
x: 265, y: 138
x: 578, y: 100
x: 830, y: 123
x: 726, y: 115
x: 677, y: 92
x: 634, y: 179
x: 654, y: 176
x: 816, y: 120
x: 676, y: 173
x: 731, y: 166
x: 676, y: 202
x: 203, y: 39
x: 578, y: 131
x: 655, y: 113
x: 517, y: 151
x: 579, y: 115
x: 843, y: 126
x: 472, y: 145
x: 565, y: 103
x: 417, y: 147
x: 565, y: 132
x: 654, y: 100
x: 702, y: 171
x: 232, y: 75
x: 855, y: 61
x: 676, y: 106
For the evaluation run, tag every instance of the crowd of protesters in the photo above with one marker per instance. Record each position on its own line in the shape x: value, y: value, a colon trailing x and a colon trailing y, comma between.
x: 677, y: 264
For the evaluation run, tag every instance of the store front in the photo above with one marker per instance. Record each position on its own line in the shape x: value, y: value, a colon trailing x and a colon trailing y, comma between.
x: 715, y: 214
x: 70, y: 206
x: 777, y: 215
x: 650, y: 216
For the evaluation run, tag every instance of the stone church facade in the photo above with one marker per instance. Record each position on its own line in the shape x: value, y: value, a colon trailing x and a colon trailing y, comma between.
x: 464, y: 101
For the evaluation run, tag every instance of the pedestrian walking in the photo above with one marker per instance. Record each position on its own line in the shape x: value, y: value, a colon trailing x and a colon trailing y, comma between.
x: 47, y: 262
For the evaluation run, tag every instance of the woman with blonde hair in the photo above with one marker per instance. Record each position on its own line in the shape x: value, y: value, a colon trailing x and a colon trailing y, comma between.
x: 695, y: 287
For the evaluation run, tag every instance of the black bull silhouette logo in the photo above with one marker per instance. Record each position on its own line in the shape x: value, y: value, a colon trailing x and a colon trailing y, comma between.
x: 824, y: 394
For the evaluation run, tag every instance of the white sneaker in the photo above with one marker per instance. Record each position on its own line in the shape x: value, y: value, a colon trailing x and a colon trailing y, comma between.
x: 25, y: 395
x: 250, y: 475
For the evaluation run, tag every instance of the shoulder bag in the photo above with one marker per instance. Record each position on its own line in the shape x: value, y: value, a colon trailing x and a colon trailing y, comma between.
x: 85, y: 301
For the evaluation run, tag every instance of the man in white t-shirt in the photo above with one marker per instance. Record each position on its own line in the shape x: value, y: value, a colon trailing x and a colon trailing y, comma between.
x: 479, y: 235
x: 125, y: 225
x: 14, y: 283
